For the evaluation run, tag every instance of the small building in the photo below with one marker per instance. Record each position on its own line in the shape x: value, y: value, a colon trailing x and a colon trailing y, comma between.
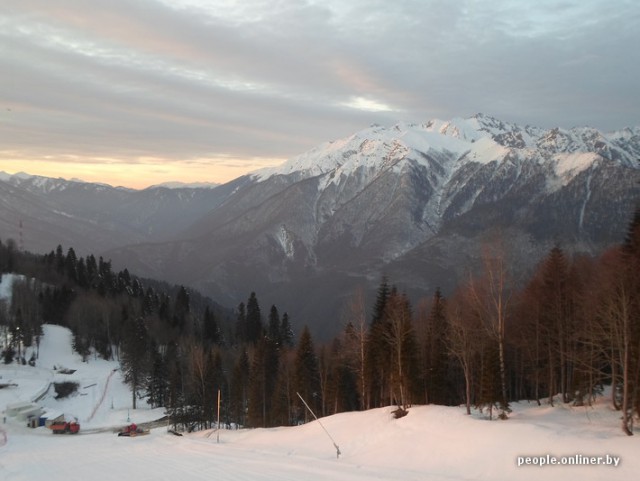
x: 14, y: 408
x: 49, y: 417
x: 32, y: 422
x: 29, y: 411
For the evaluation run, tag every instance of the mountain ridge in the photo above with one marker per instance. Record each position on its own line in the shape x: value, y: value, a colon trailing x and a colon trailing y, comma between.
x: 456, y: 136
x: 387, y: 199
x: 412, y: 201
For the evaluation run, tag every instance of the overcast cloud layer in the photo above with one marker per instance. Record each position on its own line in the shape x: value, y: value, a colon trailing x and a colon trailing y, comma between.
x: 216, y: 88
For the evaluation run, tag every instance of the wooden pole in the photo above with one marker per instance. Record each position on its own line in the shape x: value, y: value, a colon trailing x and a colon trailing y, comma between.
x: 218, y: 437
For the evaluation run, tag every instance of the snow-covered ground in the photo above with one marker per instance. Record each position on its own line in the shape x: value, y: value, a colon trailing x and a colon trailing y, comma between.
x: 430, y: 443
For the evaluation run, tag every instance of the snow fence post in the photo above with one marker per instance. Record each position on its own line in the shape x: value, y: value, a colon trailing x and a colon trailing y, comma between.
x: 325, y: 429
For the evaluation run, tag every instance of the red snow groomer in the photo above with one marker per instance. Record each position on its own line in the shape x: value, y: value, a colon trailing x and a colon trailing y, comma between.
x: 65, y: 427
x: 132, y: 430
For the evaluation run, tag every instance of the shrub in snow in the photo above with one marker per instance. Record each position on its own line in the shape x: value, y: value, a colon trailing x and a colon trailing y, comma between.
x: 400, y: 413
x: 8, y: 354
x: 65, y: 389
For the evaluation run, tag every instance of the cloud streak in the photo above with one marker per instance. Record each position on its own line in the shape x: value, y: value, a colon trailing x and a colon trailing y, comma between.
x: 198, y: 79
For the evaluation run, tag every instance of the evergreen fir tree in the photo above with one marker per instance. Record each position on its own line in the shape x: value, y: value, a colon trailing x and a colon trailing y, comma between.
x: 631, y: 243
x: 489, y: 395
x: 82, y: 277
x: 163, y: 307
x: 555, y: 318
x: 282, y: 396
x: 181, y: 309
x: 60, y: 260
x: 381, y: 301
x: 150, y: 302
x: 241, y: 323
x: 347, y: 398
x: 273, y: 330
x: 377, y: 350
x: 286, y: 332
x: 105, y: 275
x: 306, y: 376
x: 176, y: 388
x: 210, y: 329
x: 92, y: 271
x: 157, y: 387
x: 436, y: 356
x: 341, y: 391
x: 240, y: 389
x: 254, y: 320
x: 135, y: 356
x: 70, y: 264
x: 264, y: 371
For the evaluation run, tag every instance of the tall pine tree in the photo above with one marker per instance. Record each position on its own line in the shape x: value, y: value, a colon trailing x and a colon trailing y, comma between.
x: 135, y: 358
x: 239, y: 390
x: 254, y: 320
x: 436, y: 356
x: 377, y: 351
x: 306, y: 377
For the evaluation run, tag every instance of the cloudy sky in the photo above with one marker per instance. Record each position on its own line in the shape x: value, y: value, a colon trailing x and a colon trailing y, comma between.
x: 138, y: 92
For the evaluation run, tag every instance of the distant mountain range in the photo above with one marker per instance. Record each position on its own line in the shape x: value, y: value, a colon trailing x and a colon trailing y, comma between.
x: 94, y: 218
x: 415, y: 202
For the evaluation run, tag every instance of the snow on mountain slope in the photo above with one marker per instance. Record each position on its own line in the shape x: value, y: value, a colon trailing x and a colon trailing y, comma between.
x: 480, y: 139
x: 432, y: 172
x: 374, y: 149
x: 46, y: 185
x: 574, y: 163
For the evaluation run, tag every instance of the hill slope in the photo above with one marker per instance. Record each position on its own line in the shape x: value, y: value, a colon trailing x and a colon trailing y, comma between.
x: 431, y: 442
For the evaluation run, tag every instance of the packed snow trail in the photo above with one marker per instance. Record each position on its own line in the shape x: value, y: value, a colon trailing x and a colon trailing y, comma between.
x: 104, y: 394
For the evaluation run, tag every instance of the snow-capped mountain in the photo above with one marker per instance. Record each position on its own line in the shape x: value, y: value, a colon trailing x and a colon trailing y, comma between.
x: 416, y: 202
x: 480, y: 140
x: 413, y: 201
x: 401, y: 185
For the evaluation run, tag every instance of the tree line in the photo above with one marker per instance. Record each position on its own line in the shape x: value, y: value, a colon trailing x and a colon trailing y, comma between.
x: 570, y: 328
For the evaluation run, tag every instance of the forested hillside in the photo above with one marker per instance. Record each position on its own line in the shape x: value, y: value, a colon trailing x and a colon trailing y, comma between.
x: 557, y: 337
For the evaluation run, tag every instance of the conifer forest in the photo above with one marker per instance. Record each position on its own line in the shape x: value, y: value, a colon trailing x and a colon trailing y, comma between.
x: 560, y: 335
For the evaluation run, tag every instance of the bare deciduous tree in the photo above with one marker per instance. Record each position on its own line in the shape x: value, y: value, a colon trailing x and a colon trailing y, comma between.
x: 399, y: 336
x: 355, y: 340
x: 463, y: 339
x: 489, y: 297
